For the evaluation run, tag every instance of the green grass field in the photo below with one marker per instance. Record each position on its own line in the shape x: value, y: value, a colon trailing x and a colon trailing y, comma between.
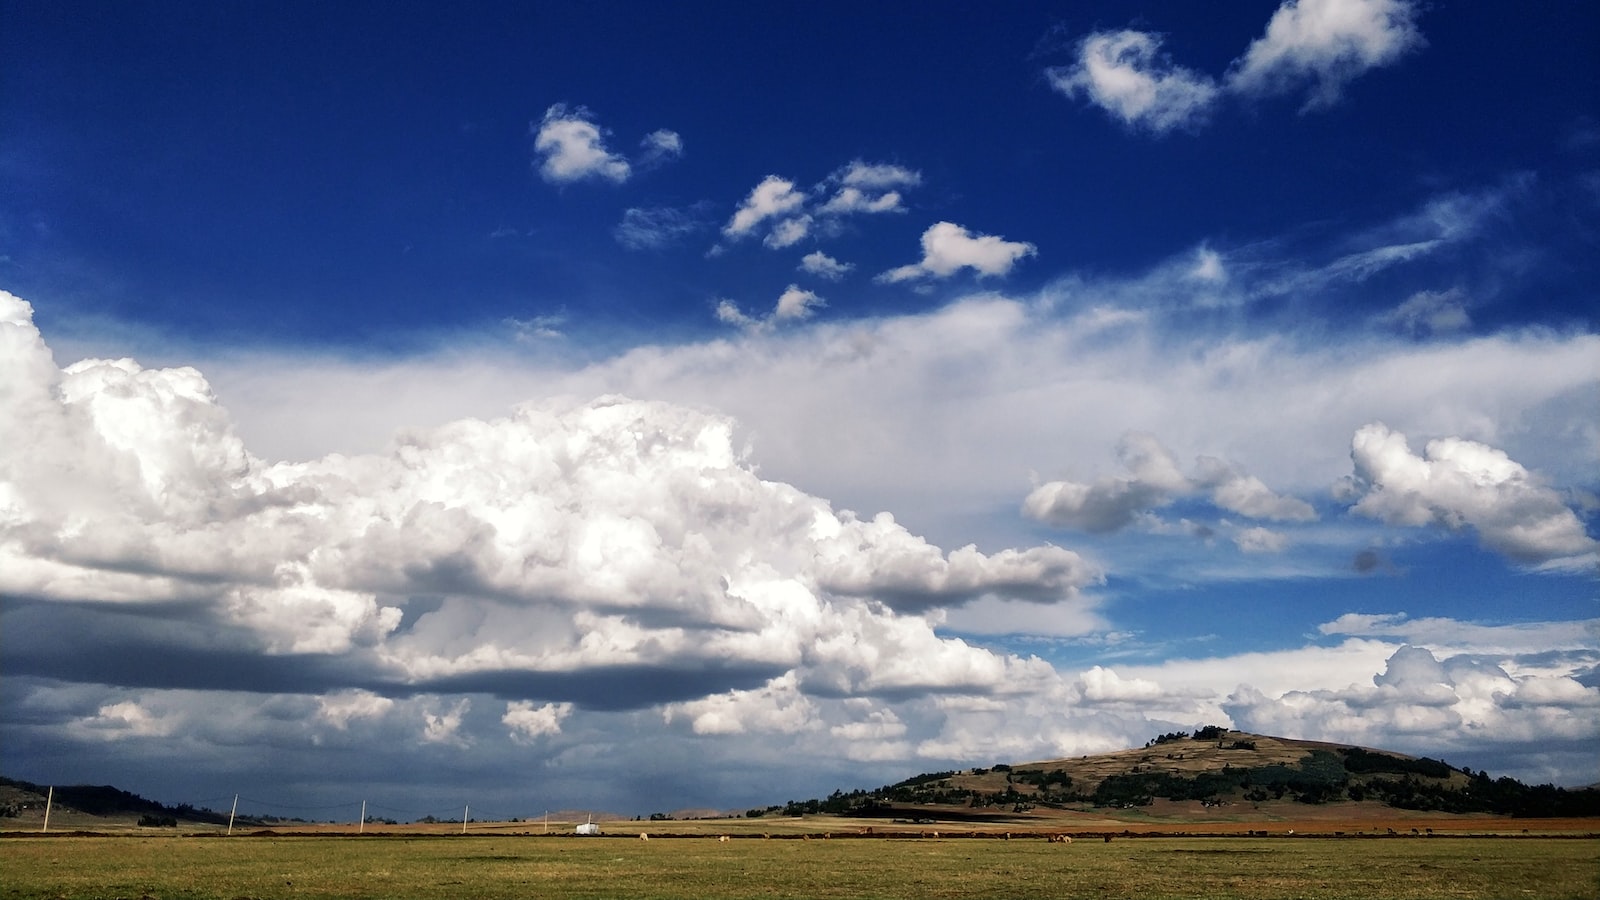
x: 703, y: 868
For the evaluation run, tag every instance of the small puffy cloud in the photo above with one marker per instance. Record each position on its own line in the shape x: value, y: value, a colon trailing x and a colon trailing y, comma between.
x: 1126, y: 74
x: 1326, y: 43
x: 854, y: 200
x: 862, y: 187
x: 1260, y: 540
x: 787, y: 214
x: 659, y: 146
x: 796, y: 304
x: 778, y: 706
x: 793, y: 304
x: 127, y: 719
x: 1316, y: 45
x: 572, y: 148
x: 1112, y: 503
x: 1100, y: 685
x: 877, y: 176
x: 1236, y: 491
x: 773, y: 198
x: 824, y: 266
x: 878, y: 558
x: 1429, y: 312
x: 728, y: 313
x: 948, y: 248
x: 444, y: 726
x: 1208, y: 267
x: 1154, y: 480
x: 526, y: 721
x: 342, y: 707
x: 1459, y: 484
x: 788, y: 232
x: 654, y: 228
x: 878, y: 725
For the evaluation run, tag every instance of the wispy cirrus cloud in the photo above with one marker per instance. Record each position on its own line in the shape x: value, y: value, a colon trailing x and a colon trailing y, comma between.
x: 656, y: 227
x: 1429, y: 313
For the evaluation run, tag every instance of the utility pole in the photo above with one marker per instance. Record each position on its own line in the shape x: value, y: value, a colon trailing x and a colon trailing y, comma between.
x: 49, y: 800
x: 231, y: 813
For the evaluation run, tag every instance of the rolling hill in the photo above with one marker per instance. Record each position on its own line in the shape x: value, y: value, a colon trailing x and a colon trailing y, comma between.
x: 1214, y: 767
x: 1212, y: 772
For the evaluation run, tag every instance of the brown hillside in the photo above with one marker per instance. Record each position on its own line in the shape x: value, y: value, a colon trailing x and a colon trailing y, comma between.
x: 1184, y: 757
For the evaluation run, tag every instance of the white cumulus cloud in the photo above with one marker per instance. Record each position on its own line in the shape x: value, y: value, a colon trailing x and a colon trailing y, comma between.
x: 1314, y: 45
x: 794, y: 304
x: 628, y: 541
x: 660, y: 145
x: 1154, y: 480
x: 1460, y: 484
x: 948, y: 248
x: 1421, y: 701
x: 1126, y: 74
x: 1325, y: 43
x: 527, y: 722
x: 572, y: 148
x: 824, y: 266
x: 773, y: 198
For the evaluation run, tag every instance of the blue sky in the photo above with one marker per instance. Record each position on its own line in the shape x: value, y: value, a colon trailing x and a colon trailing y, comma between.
x: 675, y: 389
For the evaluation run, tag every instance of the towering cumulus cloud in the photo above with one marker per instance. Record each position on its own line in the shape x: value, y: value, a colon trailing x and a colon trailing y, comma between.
x: 609, y: 554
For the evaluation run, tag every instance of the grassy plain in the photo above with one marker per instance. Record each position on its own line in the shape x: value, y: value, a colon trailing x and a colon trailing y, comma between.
x: 668, y: 868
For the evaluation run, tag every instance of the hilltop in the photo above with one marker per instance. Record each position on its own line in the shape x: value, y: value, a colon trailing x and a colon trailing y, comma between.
x: 1213, y: 768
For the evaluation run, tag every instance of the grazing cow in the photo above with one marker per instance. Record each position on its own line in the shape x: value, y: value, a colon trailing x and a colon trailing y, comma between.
x: 722, y: 838
x: 643, y: 836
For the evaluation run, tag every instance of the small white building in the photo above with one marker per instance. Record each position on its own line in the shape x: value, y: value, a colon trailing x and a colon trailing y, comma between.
x: 589, y: 828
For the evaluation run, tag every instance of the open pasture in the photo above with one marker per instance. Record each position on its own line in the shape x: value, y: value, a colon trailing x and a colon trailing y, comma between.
x: 694, y: 867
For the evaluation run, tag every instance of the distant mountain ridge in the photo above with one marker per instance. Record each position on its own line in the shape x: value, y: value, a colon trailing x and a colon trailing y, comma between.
x: 1214, y: 766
